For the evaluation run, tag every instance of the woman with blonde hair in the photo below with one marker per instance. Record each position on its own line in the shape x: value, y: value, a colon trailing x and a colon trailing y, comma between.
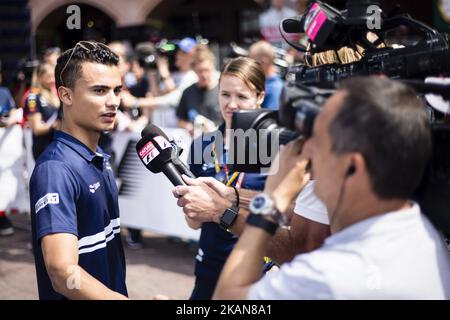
x: 42, y: 108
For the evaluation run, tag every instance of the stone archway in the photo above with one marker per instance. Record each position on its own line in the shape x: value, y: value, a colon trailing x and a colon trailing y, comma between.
x: 53, y: 31
x: 123, y: 13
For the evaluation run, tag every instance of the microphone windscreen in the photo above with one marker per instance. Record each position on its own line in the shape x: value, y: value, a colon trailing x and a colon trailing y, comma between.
x: 153, y: 131
x: 154, y: 152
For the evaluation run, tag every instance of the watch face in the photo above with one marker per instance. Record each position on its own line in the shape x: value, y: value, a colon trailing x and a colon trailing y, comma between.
x: 259, y: 202
x: 228, y: 217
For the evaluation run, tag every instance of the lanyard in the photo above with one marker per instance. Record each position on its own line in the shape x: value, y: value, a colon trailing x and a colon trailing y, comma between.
x: 234, y: 176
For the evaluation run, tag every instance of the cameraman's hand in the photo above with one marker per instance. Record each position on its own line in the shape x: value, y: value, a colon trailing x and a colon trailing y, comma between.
x: 287, y: 157
x: 199, y: 201
x: 163, y: 67
x: 287, y: 180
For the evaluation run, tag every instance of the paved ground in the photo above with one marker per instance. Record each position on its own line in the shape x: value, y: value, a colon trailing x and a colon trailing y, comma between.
x: 162, y: 267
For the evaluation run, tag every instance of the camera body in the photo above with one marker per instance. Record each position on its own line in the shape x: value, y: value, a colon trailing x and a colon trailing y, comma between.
x: 259, y: 133
x: 148, y: 53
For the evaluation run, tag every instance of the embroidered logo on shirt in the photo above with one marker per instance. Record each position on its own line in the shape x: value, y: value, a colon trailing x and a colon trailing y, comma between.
x: 94, y: 187
x: 49, y: 198
x: 200, y: 254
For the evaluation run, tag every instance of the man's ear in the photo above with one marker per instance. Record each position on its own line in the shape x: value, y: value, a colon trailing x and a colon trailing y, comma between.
x: 357, y: 165
x: 65, y: 95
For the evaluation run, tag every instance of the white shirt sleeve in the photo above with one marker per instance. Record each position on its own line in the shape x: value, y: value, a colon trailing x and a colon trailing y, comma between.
x: 300, y: 279
x: 309, y: 206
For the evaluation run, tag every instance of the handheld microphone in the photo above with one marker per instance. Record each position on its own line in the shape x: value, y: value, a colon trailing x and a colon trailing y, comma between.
x: 153, y: 130
x: 155, y: 153
x: 159, y: 155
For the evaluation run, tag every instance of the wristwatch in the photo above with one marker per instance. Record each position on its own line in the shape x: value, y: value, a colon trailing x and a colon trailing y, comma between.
x: 228, y: 217
x: 264, y: 214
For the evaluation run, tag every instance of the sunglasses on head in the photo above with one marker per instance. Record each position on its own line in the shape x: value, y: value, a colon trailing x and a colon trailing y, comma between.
x: 87, y: 46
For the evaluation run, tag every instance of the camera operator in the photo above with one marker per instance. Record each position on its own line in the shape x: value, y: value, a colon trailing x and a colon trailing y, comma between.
x: 369, y: 150
x: 202, y: 98
x: 174, y: 84
x: 136, y: 83
x: 262, y: 51
x: 136, y: 118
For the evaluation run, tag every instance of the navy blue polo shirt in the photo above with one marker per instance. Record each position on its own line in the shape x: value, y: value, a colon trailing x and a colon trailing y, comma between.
x: 72, y: 190
x: 215, y: 244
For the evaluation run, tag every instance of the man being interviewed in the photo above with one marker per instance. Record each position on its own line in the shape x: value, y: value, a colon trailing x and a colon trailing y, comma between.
x: 74, y: 199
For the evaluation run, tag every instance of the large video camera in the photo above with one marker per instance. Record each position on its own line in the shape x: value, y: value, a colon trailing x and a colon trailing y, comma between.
x: 259, y: 133
x: 425, y: 53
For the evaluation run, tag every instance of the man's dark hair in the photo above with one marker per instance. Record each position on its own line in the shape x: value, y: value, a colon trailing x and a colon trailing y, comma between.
x: 387, y: 123
x: 96, y: 52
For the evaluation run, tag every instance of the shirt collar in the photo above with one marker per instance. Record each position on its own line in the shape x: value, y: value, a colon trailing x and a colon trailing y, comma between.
x: 372, y: 225
x: 80, y: 147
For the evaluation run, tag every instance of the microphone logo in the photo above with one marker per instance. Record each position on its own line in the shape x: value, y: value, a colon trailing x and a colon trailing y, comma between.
x: 153, y: 148
x: 148, y: 153
x: 162, y: 142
